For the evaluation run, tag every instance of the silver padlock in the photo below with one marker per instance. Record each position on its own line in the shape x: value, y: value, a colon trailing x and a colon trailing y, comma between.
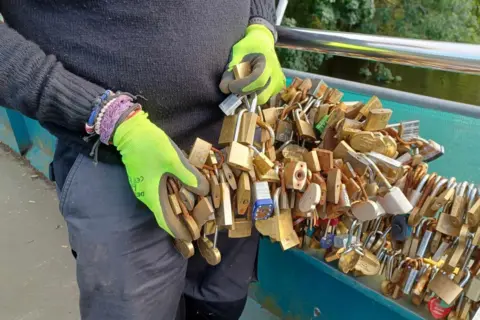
x: 426, y: 237
x: 416, y: 194
x: 230, y: 104
x: 346, y: 240
x: 394, y: 202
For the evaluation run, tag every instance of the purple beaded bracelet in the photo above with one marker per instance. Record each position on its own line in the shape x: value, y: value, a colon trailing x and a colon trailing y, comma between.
x: 109, y: 116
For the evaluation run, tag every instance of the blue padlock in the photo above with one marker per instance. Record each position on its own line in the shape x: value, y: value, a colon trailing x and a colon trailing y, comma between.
x: 400, y: 228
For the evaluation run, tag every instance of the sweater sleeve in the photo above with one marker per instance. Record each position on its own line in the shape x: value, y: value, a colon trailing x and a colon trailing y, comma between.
x: 263, y: 9
x: 39, y: 86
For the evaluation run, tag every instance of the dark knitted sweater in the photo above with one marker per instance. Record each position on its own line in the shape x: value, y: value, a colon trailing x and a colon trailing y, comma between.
x: 57, y: 56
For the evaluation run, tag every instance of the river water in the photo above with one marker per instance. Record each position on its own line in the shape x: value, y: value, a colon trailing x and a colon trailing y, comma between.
x: 440, y: 84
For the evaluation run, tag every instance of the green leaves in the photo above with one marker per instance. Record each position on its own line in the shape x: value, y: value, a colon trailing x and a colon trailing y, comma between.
x: 447, y: 20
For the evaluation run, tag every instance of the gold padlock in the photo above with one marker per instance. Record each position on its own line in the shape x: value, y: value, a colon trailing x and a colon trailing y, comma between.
x: 200, y: 152
x: 377, y: 119
x: 325, y: 157
x: 244, y: 192
x: 238, y: 154
x: 304, y: 129
x: 295, y: 175
x: 373, y: 103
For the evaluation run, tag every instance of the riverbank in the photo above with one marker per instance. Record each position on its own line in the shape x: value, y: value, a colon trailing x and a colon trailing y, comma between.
x: 434, y: 83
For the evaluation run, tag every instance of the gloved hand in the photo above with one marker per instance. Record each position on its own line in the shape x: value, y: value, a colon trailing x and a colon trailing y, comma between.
x: 150, y: 157
x: 267, y: 78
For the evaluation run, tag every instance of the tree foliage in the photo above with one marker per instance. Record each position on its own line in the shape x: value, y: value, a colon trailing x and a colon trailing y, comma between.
x: 448, y: 20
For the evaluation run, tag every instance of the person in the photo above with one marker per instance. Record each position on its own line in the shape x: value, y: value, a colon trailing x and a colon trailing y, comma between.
x: 125, y: 86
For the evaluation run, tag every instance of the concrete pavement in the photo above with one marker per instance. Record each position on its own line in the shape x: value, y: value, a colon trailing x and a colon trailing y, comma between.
x: 37, y: 271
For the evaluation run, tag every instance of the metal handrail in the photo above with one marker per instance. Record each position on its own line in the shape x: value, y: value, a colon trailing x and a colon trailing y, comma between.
x: 457, y: 57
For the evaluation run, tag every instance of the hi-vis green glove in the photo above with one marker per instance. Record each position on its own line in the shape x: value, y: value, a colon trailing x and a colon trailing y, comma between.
x: 150, y: 157
x: 267, y: 78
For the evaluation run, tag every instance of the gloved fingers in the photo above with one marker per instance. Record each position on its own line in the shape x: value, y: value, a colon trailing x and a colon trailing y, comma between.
x: 275, y: 84
x: 264, y: 95
x: 188, y: 175
x: 227, y: 77
x: 255, y: 81
x: 166, y: 217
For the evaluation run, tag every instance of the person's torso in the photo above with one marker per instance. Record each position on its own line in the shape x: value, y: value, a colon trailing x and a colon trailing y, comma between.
x: 172, y: 52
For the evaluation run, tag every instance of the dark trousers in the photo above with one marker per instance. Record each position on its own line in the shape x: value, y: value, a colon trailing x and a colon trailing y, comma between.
x: 127, y: 267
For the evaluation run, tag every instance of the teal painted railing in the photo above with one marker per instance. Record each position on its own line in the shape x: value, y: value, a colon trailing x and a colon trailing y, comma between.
x: 296, y: 284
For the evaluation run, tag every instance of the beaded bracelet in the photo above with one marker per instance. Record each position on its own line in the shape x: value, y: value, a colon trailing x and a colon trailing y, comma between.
x: 96, y: 107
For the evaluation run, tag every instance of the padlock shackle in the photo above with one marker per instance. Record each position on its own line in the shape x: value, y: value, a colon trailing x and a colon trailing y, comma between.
x: 470, y: 188
x: 267, y: 127
x: 350, y: 233
x: 419, y: 227
x: 466, y: 278
x: 451, y: 182
x: 472, y: 198
x: 257, y: 152
x: 238, y: 123
x: 460, y: 191
x: 215, y: 237
x: 377, y: 171
x: 423, y: 182
x: 326, y: 228
x: 438, y: 186
x: 276, y: 202
x: 308, y: 106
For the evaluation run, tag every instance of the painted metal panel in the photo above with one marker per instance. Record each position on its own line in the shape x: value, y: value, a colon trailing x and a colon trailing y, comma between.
x: 293, y: 284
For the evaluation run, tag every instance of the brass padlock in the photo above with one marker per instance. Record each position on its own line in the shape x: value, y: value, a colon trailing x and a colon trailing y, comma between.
x: 341, y: 151
x: 284, y: 131
x: 322, y: 113
x: 373, y: 103
x: 366, y: 141
x: 228, y: 130
x: 242, y: 228
x: 333, y: 96
x: 209, y: 250
x: 185, y: 248
x: 271, y: 115
x: 473, y: 214
x: 224, y: 216
x: 445, y: 288
x: 244, y: 192
x: 304, y: 129
x: 200, y: 152
x: 261, y: 162
x: 311, y: 158
x: 203, y: 211
x: 459, y: 202
x: 292, y: 152
x: 187, y: 198
x: 242, y: 70
x: 394, y: 201
x: 268, y: 146
x: 238, y: 154
x: 285, y: 233
x: 215, y: 190
x: 248, y: 123
x: 334, y: 184
x: 325, y: 157
x: 377, y: 119
x: 227, y: 171
x: 295, y: 175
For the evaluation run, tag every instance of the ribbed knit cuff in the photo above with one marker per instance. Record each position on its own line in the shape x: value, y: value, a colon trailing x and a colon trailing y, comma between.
x: 263, y: 22
x: 263, y: 9
x: 67, y: 99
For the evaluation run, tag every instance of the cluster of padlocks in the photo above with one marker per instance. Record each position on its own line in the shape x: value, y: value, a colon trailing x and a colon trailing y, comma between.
x: 314, y: 172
